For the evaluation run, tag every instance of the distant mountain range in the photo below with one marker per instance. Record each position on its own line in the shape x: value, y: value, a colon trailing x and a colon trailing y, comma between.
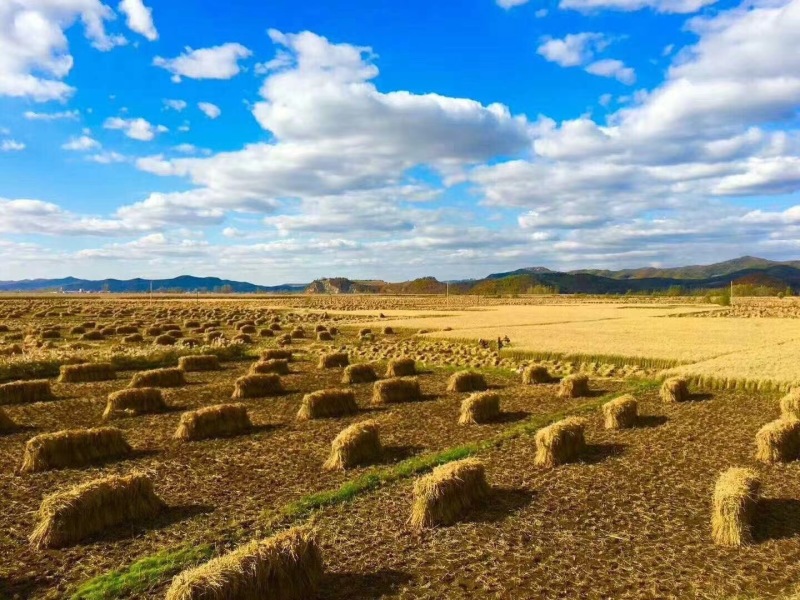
x: 745, y: 270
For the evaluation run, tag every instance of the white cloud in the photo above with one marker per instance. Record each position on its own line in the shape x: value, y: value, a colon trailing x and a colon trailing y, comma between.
x: 574, y: 50
x: 34, y: 51
x: 10, y: 145
x: 21, y: 216
x: 218, y: 62
x: 609, y: 67
x: 186, y: 148
x: 81, y: 144
x: 107, y: 158
x: 139, y: 18
x: 212, y: 111
x: 177, y: 105
x: 137, y: 129
x: 68, y: 115
x: 661, y: 6
x: 511, y: 3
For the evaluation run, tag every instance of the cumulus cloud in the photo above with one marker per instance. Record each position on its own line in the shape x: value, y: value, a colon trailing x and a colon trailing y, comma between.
x: 580, y: 49
x: 22, y: 215
x: 212, y: 111
x: 11, y: 145
x: 612, y: 68
x: 67, y: 115
x: 137, y: 129
x: 81, y: 144
x: 218, y: 62
x: 107, y: 158
x: 177, y: 105
x: 139, y: 18
x: 661, y: 6
x: 511, y: 3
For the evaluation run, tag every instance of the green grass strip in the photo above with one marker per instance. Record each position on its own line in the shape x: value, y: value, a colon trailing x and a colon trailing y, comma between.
x: 145, y: 573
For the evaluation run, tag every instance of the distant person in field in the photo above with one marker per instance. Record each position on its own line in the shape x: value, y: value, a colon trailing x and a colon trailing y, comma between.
x: 506, y: 341
x: 499, y: 344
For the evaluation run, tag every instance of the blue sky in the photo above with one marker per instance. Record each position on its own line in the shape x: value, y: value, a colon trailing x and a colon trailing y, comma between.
x: 277, y: 141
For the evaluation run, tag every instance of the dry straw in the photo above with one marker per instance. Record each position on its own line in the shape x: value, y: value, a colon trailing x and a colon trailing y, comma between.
x: 779, y: 441
x: 398, y: 389
x: 131, y: 402
x: 278, y: 366
x: 165, y: 339
x: 560, y: 443
x: 73, y: 448
x: 621, y: 413
x: 7, y: 425
x: 158, y: 378
x: 574, y: 386
x: 355, y: 446
x: 87, y: 372
x: 199, y: 362
x: 361, y: 373
x: 65, y: 518
x: 536, y: 374
x: 287, y: 566
x: 674, y: 389
x: 276, y: 353
x: 401, y: 367
x: 466, y: 381
x: 790, y: 404
x: 220, y: 420
x: 333, y: 360
x: 445, y: 496
x: 327, y: 404
x: 482, y: 407
x: 324, y: 336
x: 257, y: 386
x: 736, y: 496
x: 21, y: 392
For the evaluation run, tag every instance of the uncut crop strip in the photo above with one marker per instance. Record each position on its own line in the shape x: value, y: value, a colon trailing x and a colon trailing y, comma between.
x: 149, y: 571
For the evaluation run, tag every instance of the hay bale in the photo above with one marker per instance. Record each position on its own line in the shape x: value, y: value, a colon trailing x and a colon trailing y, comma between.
x: 285, y: 340
x: 198, y: 362
x: 93, y: 336
x: 165, y: 339
x: 266, y: 333
x: 277, y: 353
x: 279, y: 366
x: 534, y: 374
x: 127, y: 329
x: 87, y: 372
x: 7, y: 424
x: 560, y: 443
x: 257, y: 386
x: 324, y: 336
x: 356, y: 445
x: 361, y: 373
x: 287, y: 566
x: 298, y: 333
x: 482, y: 407
x: 388, y: 331
x: 736, y: 496
x: 397, y: 389
x: 779, y: 441
x: 444, y: 496
x: 327, y: 404
x: 401, y: 367
x: 220, y: 420
x: 22, y: 392
x: 674, y: 389
x: 364, y: 331
x: 790, y: 404
x: 466, y: 381
x: 133, y: 402
x: 242, y: 338
x: 621, y: 413
x: 133, y: 339
x: 172, y: 377
x: 73, y: 448
x: 574, y: 386
x: 333, y: 360
x: 65, y: 518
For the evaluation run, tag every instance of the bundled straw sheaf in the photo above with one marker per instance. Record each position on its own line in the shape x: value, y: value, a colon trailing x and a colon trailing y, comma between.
x: 73, y: 448
x: 445, y: 496
x: 674, y: 389
x: 7, y: 425
x: 21, y: 392
x: 87, y: 372
x: 276, y: 353
x: 574, y: 386
x: 790, y: 404
x: 482, y: 407
x: 401, y: 367
x: 257, y: 386
x: 287, y: 566
x: 736, y: 496
x: 560, y: 443
x: 466, y: 381
x: 536, y: 374
x: 327, y: 404
x: 66, y: 518
x: 278, y: 366
x: 621, y: 413
x: 360, y: 373
x: 220, y: 420
x: 131, y: 402
x: 398, y: 389
x: 356, y: 445
x: 333, y: 360
x: 173, y: 377
x: 779, y: 441
x: 199, y: 362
